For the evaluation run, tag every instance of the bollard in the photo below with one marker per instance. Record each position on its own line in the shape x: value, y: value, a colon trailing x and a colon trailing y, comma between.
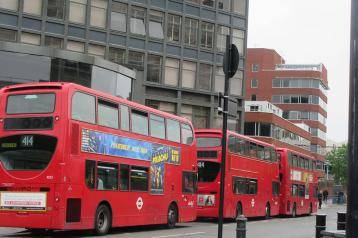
x: 320, y: 224
x: 241, y: 227
x: 341, y: 221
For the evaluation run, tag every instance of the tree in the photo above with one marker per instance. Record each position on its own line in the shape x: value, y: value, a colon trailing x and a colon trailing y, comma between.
x: 338, y: 160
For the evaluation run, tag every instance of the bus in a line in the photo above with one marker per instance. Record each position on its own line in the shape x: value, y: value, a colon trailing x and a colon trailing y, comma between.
x: 75, y: 158
x: 299, y: 183
x: 252, y: 176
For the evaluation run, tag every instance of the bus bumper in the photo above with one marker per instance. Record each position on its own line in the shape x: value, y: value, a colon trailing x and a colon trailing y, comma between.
x: 209, y: 212
x: 26, y: 220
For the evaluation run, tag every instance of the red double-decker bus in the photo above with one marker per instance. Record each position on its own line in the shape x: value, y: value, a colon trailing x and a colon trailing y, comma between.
x: 299, y: 183
x: 252, y: 176
x: 75, y: 158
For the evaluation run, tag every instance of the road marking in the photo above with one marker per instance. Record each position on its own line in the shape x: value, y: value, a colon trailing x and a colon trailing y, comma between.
x: 178, y: 235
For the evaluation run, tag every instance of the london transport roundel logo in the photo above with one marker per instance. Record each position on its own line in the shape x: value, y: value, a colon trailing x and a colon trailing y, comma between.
x: 139, y: 203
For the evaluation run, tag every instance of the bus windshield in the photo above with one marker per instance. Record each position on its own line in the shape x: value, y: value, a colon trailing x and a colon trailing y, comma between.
x: 208, y: 171
x: 26, y: 152
x: 208, y: 142
x: 31, y: 103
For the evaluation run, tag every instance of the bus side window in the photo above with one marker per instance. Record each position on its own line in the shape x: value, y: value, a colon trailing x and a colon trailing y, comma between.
x: 241, y: 146
x: 139, y: 122
x: 90, y: 173
x: 189, y: 182
x: 107, y: 114
x: 157, y: 126
x: 124, y: 118
x: 187, y: 134
x: 84, y: 107
x: 232, y: 144
x: 173, y: 130
x: 139, y: 178
x: 124, y: 177
x: 253, y: 150
x: 261, y: 152
x: 107, y: 176
x: 239, y: 185
x: 275, y: 188
x: 252, y: 186
x: 294, y: 191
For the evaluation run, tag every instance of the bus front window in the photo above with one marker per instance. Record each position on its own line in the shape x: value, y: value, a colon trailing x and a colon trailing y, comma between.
x: 26, y: 152
x: 31, y: 103
x: 203, y: 142
x: 208, y: 171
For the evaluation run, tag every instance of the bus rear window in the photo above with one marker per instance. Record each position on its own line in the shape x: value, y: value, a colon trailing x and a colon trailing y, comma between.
x: 208, y: 142
x: 27, y: 152
x: 31, y: 103
x: 208, y: 171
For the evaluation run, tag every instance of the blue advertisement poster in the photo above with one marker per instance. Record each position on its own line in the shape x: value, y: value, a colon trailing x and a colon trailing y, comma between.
x: 108, y: 144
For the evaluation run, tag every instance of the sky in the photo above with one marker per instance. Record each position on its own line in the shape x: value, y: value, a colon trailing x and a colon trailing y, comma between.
x: 309, y: 32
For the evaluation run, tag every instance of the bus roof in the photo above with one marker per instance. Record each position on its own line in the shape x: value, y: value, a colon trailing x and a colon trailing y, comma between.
x: 218, y: 132
x: 102, y: 95
x: 296, y: 152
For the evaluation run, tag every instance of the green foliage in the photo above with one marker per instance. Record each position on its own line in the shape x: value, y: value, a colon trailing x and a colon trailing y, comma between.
x: 338, y: 159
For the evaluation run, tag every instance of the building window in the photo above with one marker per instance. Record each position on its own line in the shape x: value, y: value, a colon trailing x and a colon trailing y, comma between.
x: 10, y: 4
x: 207, y: 35
x: 156, y: 22
x: 205, y: 76
x: 198, y: 115
x: 78, y: 11
x: 98, y: 13
x: 191, y: 31
x: 171, y: 72
x: 137, y: 25
x: 238, y: 38
x: 255, y: 68
x: 194, y: 1
x: 97, y: 50
x: 209, y: 3
x: 254, y: 83
x: 162, y: 106
x: 53, y: 42
x: 253, y: 97
x: 154, y: 67
x: 174, y: 25
x: 236, y: 83
x: 188, y: 74
x: 7, y: 35
x: 117, y: 55
x: 119, y: 16
x: 222, y: 32
x: 32, y: 39
x: 224, y: 4
x: 239, y: 6
x: 56, y: 8
x: 33, y: 7
x: 136, y: 60
x: 75, y: 46
x: 219, y: 80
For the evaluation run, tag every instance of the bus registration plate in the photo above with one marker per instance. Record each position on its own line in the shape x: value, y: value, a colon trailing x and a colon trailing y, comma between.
x: 23, y: 201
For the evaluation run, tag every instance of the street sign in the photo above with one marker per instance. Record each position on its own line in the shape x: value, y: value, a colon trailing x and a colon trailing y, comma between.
x: 231, y: 61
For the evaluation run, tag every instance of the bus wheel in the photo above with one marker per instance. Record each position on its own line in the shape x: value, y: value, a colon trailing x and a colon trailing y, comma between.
x: 267, y: 211
x: 294, y: 212
x: 239, y: 210
x: 172, y: 216
x: 103, y: 220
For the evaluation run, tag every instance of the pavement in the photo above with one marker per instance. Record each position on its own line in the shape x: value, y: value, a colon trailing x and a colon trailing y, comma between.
x: 277, y: 227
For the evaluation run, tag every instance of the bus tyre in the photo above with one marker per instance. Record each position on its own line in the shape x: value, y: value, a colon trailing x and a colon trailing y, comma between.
x: 172, y: 216
x: 238, y: 210
x: 294, y: 212
x: 267, y: 211
x: 103, y: 220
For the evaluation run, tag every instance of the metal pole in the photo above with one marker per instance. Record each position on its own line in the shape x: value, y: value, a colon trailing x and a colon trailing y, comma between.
x: 341, y: 221
x: 241, y: 227
x: 352, y: 201
x: 320, y: 224
x: 223, y: 145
